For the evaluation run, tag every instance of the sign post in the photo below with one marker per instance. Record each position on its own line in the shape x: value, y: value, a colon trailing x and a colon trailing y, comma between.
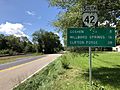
x: 90, y: 19
x: 89, y: 35
x: 90, y: 67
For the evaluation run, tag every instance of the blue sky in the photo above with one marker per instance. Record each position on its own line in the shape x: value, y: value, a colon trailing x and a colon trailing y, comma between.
x: 23, y: 17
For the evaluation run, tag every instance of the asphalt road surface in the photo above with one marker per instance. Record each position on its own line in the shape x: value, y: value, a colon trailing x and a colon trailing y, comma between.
x: 11, y: 74
x: 19, y: 61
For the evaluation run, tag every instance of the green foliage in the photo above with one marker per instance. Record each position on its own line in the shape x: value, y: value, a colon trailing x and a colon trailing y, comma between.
x: 65, y: 62
x: 4, y: 52
x: 11, y: 52
x: 13, y: 45
x: 7, y: 52
x: 46, y: 42
x: 108, y: 10
x: 3, y: 42
x: 64, y: 4
x: 118, y: 41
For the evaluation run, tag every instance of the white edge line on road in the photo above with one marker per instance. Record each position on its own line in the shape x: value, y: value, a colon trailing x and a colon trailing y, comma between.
x: 35, y: 73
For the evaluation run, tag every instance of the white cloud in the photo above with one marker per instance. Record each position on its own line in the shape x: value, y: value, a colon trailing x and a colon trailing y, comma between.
x: 12, y: 29
x: 30, y: 13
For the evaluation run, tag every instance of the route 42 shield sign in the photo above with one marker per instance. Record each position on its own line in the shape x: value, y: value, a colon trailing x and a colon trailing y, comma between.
x: 90, y: 19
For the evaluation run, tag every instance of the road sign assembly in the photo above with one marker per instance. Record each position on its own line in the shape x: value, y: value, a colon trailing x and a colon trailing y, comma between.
x: 90, y: 35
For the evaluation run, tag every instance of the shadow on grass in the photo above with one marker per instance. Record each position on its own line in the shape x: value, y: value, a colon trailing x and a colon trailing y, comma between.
x: 107, y: 75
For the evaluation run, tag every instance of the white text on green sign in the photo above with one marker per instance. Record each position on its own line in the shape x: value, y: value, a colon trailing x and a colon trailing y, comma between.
x: 94, y: 37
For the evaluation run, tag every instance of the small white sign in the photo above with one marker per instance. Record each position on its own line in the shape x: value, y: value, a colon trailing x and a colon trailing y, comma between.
x: 90, y: 8
x: 90, y: 19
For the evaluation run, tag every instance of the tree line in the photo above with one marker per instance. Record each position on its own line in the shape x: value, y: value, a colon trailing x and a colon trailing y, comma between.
x: 42, y: 42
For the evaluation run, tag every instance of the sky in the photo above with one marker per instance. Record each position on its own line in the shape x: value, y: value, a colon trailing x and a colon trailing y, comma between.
x: 24, y: 17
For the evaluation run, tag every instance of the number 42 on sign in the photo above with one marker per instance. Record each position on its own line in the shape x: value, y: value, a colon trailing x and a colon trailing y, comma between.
x: 90, y: 19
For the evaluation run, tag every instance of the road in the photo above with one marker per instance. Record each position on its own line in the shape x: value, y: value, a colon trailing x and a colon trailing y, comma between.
x: 18, y: 71
x: 19, y: 61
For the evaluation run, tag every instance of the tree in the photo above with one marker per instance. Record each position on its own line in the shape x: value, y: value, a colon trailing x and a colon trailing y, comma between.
x: 15, y: 45
x: 51, y: 42
x: 38, y: 40
x: 107, y: 9
x: 3, y: 41
x: 46, y: 42
x: 71, y: 15
x: 26, y: 45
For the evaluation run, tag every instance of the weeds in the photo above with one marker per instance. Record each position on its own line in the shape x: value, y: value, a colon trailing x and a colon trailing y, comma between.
x: 65, y: 62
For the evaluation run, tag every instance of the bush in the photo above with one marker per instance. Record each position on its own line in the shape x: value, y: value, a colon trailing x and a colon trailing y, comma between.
x: 4, y: 52
x: 11, y: 52
x: 65, y: 62
x: 78, y: 49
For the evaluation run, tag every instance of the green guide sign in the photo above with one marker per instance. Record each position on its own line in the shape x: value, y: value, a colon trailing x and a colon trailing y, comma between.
x: 91, y: 37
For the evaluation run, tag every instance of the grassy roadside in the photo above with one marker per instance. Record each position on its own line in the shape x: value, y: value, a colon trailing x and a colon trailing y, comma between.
x: 70, y: 72
x: 7, y: 59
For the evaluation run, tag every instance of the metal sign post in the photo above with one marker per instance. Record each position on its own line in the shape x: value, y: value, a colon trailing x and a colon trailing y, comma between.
x: 90, y: 67
x: 90, y: 19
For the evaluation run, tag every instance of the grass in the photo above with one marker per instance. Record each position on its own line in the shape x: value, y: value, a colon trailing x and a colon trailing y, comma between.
x: 56, y: 76
x: 7, y: 59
